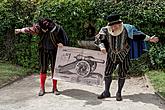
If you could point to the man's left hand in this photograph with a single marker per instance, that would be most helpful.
(153, 39)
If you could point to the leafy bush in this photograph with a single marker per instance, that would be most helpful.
(76, 17)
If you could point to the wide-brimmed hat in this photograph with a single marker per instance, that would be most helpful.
(113, 19)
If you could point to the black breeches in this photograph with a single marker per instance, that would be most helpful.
(123, 67)
(47, 57)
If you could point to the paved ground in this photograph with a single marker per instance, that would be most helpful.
(22, 95)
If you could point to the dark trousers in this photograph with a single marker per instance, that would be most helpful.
(123, 68)
(47, 57)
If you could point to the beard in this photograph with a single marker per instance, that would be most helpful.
(116, 32)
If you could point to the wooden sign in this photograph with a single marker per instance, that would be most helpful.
(80, 65)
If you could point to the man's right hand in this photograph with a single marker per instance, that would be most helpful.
(103, 50)
(17, 31)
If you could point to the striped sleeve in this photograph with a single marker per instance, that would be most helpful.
(99, 38)
(34, 30)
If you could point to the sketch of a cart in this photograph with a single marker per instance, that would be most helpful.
(83, 65)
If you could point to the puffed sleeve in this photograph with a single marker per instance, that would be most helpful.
(99, 38)
(34, 30)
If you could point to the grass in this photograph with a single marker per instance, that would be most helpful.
(9, 72)
(157, 79)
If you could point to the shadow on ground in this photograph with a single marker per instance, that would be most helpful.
(91, 98)
(146, 98)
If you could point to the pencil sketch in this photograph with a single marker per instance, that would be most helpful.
(80, 65)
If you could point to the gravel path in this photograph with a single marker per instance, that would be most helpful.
(23, 95)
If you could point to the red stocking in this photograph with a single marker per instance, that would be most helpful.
(42, 80)
(54, 84)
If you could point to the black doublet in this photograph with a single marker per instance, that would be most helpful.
(117, 52)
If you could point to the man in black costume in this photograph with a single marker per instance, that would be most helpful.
(114, 39)
(51, 36)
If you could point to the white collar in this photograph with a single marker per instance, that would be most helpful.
(53, 29)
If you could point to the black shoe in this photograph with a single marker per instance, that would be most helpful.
(104, 95)
(41, 92)
(56, 92)
(118, 97)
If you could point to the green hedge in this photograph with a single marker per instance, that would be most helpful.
(76, 16)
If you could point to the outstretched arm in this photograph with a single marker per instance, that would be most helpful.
(34, 30)
(146, 38)
(138, 35)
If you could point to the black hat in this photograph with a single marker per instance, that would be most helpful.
(46, 23)
(113, 19)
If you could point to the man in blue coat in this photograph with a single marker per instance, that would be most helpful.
(119, 41)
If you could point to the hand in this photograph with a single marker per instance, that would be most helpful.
(60, 45)
(103, 50)
(153, 39)
(17, 31)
